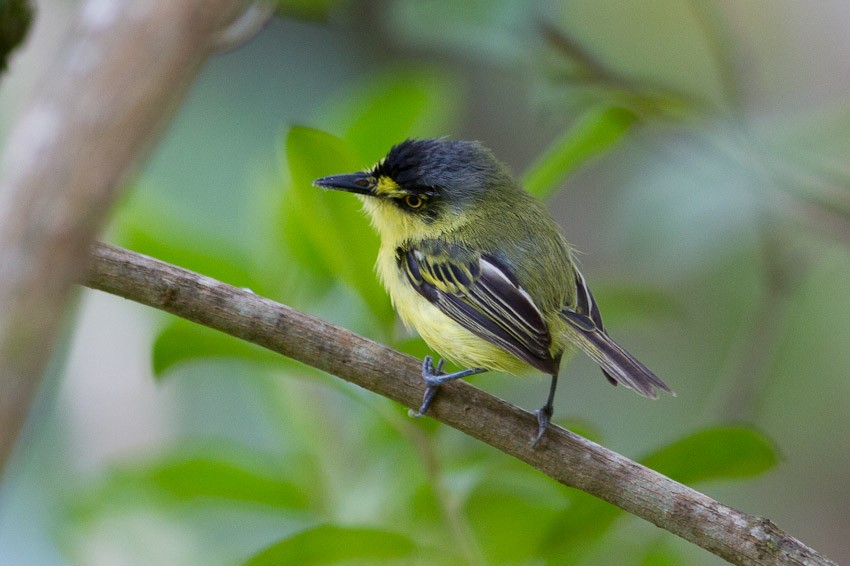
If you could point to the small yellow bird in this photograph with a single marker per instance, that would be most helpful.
(481, 270)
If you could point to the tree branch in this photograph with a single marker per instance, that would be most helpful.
(570, 459)
(99, 107)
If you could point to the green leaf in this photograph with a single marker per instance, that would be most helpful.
(725, 452)
(296, 233)
(594, 132)
(576, 529)
(210, 476)
(403, 103)
(183, 341)
(509, 513)
(330, 224)
(311, 10)
(144, 225)
(661, 556)
(332, 544)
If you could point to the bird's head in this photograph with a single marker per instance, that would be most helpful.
(425, 187)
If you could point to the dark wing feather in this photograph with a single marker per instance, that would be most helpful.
(589, 335)
(586, 305)
(482, 295)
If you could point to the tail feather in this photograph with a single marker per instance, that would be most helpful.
(619, 366)
(584, 324)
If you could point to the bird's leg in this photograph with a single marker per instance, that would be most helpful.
(544, 413)
(434, 377)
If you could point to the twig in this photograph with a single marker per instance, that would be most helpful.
(570, 459)
(99, 108)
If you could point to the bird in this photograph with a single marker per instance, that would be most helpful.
(480, 269)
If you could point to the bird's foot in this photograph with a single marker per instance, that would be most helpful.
(431, 375)
(544, 415)
(434, 377)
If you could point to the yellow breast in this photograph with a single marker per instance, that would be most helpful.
(441, 333)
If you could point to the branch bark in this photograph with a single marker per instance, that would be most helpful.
(570, 459)
(98, 109)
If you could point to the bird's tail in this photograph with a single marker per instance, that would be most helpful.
(617, 364)
(585, 328)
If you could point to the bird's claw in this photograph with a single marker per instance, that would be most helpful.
(430, 393)
(430, 373)
(434, 378)
(544, 415)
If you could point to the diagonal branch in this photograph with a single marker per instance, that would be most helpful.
(570, 459)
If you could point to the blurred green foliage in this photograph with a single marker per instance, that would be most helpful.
(348, 478)
(334, 544)
(594, 132)
(434, 507)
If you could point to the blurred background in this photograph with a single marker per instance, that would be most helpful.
(695, 152)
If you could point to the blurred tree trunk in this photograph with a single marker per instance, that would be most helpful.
(99, 108)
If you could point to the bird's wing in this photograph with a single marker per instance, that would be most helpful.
(481, 294)
(589, 335)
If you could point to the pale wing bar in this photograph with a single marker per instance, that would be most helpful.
(490, 305)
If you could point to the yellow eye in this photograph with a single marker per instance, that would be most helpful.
(413, 201)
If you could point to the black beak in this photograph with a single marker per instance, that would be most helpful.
(360, 183)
